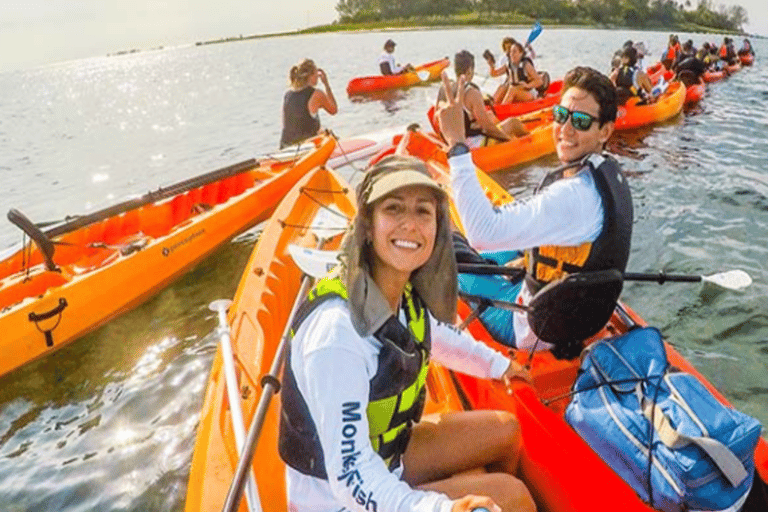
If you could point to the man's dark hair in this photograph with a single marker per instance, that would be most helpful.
(462, 61)
(596, 84)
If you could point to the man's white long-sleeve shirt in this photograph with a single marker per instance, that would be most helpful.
(333, 367)
(569, 212)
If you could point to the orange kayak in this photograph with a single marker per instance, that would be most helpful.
(667, 106)
(747, 59)
(100, 265)
(505, 155)
(424, 73)
(257, 318)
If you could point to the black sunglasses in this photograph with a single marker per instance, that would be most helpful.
(580, 120)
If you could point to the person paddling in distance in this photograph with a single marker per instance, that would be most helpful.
(303, 101)
(481, 126)
(502, 69)
(578, 219)
(524, 80)
(387, 64)
(354, 381)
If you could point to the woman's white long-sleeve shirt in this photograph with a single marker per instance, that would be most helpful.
(333, 367)
(569, 212)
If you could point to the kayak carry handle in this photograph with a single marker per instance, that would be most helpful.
(43, 242)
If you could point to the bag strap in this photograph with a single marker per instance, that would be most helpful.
(721, 455)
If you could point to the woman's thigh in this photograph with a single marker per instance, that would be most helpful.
(451, 443)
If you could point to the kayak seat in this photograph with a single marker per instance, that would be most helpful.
(100, 258)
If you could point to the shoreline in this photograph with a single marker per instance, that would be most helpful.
(442, 24)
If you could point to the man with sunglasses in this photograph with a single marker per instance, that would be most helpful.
(579, 218)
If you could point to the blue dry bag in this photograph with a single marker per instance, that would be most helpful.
(628, 404)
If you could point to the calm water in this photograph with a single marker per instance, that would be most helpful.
(108, 423)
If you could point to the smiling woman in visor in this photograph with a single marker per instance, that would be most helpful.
(351, 430)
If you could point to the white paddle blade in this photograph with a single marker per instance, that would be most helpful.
(423, 75)
(732, 280)
(313, 262)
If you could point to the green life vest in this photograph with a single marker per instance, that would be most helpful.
(397, 392)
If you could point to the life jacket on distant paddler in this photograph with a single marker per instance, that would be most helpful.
(672, 52)
(397, 392)
(626, 79)
(610, 249)
(516, 72)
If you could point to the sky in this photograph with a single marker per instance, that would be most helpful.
(35, 32)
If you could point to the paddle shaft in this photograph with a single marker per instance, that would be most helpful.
(660, 277)
(235, 493)
(236, 412)
(271, 384)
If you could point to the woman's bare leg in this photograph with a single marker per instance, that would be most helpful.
(444, 449)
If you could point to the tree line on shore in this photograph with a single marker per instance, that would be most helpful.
(631, 13)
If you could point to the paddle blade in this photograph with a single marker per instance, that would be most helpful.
(732, 280)
(535, 31)
(423, 75)
(313, 262)
(567, 312)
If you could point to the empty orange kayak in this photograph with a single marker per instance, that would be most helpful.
(667, 106)
(424, 73)
(97, 266)
(257, 318)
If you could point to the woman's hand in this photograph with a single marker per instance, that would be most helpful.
(450, 113)
(516, 371)
(470, 502)
(322, 76)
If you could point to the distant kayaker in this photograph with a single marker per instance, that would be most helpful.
(500, 69)
(482, 126)
(353, 391)
(672, 51)
(524, 80)
(727, 52)
(746, 48)
(630, 80)
(387, 64)
(616, 59)
(578, 219)
(302, 102)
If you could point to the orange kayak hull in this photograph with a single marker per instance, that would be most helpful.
(113, 265)
(667, 106)
(258, 315)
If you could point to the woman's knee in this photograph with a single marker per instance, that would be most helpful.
(509, 493)
(509, 429)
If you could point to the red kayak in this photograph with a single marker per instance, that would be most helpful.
(519, 108)
(715, 76)
(747, 59)
(694, 93)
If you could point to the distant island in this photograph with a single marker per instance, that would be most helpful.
(630, 14)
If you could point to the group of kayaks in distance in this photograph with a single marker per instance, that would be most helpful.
(76, 275)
